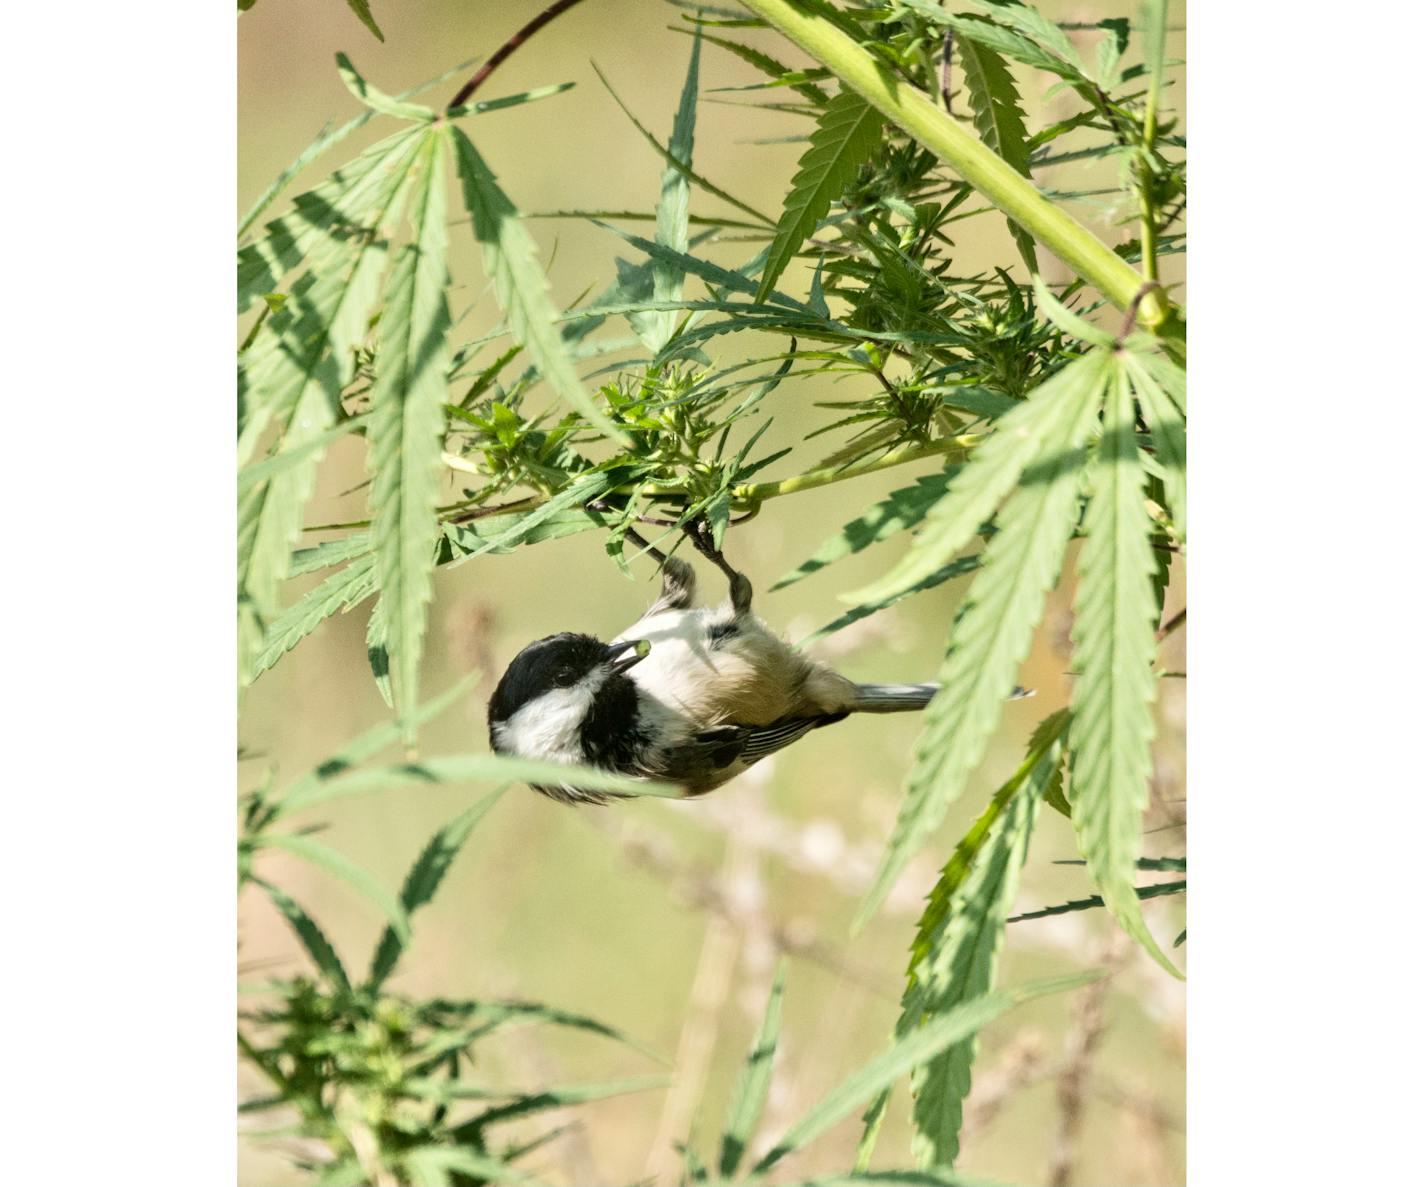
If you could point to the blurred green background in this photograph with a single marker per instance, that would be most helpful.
(666, 920)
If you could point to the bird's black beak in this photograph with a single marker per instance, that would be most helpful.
(632, 651)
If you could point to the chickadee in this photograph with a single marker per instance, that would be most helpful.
(686, 695)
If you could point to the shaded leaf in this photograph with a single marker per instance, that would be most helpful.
(753, 1084)
(313, 939)
(673, 208)
(424, 880)
(343, 867)
(362, 9)
(473, 768)
(1087, 904)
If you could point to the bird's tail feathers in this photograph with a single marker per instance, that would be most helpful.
(898, 698)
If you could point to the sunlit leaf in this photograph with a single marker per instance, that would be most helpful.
(407, 428)
(846, 133)
(1114, 643)
(375, 98)
(961, 954)
(999, 119)
(1001, 609)
(914, 1049)
(511, 261)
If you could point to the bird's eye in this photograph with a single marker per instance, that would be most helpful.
(564, 677)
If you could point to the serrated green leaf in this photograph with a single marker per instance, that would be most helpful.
(375, 98)
(999, 119)
(276, 463)
(362, 9)
(313, 939)
(334, 862)
(672, 209)
(407, 428)
(753, 1084)
(914, 1049)
(1169, 437)
(899, 511)
(959, 568)
(1114, 643)
(474, 768)
(1065, 319)
(424, 880)
(522, 289)
(771, 67)
(323, 220)
(1087, 904)
(960, 958)
(296, 381)
(327, 138)
(568, 1094)
(992, 634)
(846, 133)
(1020, 437)
(344, 589)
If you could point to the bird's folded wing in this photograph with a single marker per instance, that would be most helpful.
(727, 744)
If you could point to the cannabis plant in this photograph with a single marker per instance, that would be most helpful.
(1049, 412)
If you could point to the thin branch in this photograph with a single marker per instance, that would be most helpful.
(499, 55)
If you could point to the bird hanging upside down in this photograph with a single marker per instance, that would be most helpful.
(686, 695)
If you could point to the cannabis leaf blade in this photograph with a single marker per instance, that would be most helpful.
(673, 210)
(991, 636)
(908, 1052)
(1114, 643)
(344, 589)
(960, 952)
(407, 427)
(749, 1095)
(999, 119)
(1169, 437)
(424, 880)
(845, 135)
(899, 511)
(993, 469)
(520, 285)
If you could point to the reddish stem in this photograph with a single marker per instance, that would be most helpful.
(524, 34)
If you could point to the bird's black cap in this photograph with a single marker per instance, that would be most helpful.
(555, 661)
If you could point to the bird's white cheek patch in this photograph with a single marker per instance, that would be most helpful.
(548, 728)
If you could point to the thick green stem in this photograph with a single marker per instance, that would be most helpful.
(979, 165)
(753, 493)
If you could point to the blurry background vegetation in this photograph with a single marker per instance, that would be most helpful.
(666, 920)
